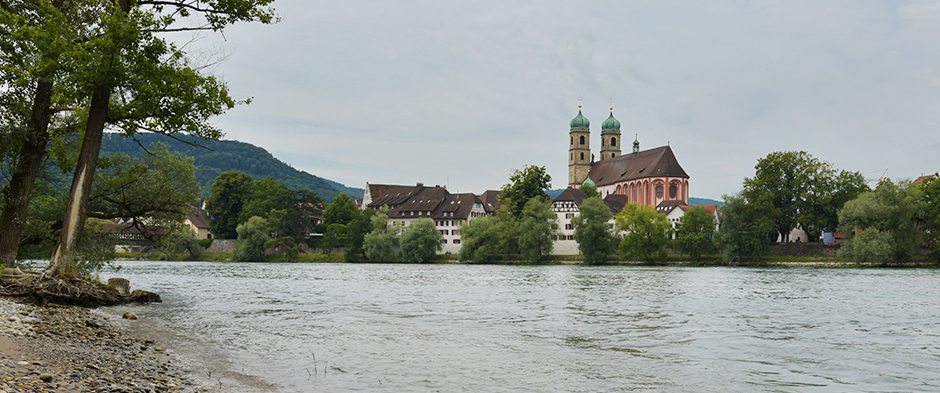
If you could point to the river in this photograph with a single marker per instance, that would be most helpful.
(256, 327)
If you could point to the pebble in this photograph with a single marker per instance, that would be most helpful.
(70, 349)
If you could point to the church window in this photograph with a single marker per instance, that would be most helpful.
(611, 155)
(582, 141)
(572, 141)
(613, 141)
(582, 155)
(659, 191)
(672, 191)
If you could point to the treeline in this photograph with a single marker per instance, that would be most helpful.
(212, 157)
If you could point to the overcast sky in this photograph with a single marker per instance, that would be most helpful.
(463, 93)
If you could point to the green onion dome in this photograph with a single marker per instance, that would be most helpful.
(588, 182)
(611, 124)
(580, 122)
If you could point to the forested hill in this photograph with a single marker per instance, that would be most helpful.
(231, 156)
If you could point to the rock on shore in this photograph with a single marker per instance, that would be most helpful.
(70, 349)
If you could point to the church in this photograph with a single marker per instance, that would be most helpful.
(650, 177)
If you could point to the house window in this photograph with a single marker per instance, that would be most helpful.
(569, 226)
(456, 241)
(454, 232)
(443, 241)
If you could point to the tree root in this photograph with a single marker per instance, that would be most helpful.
(42, 288)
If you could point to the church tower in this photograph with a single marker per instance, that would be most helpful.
(579, 150)
(610, 137)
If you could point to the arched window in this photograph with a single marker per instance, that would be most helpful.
(582, 142)
(659, 191)
(572, 141)
(672, 191)
(613, 141)
(582, 153)
(611, 155)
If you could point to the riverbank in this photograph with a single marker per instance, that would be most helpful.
(72, 349)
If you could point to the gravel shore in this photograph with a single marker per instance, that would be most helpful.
(71, 349)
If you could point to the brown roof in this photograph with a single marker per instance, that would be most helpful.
(571, 195)
(424, 200)
(924, 178)
(458, 204)
(659, 161)
(199, 218)
(490, 200)
(391, 195)
(615, 203)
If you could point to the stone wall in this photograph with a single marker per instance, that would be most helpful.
(222, 246)
(804, 249)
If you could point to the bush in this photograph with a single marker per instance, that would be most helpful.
(252, 236)
(870, 246)
(420, 241)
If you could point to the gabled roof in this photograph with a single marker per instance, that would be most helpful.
(426, 199)
(571, 195)
(199, 218)
(924, 178)
(615, 203)
(490, 200)
(391, 195)
(659, 161)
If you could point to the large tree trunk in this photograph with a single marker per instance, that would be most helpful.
(15, 210)
(63, 258)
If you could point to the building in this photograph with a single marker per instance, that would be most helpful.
(449, 211)
(198, 220)
(648, 177)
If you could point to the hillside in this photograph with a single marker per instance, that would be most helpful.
(224, 156)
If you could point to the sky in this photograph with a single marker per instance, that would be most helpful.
(461, 94)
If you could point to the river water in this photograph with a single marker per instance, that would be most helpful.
(254, 327)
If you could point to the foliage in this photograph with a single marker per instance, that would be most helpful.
(531, 182)
(334, 237)
(420, 241)
(897, 210)
(479, 240)
(695, 233)
(341, 211)
(380, 244)
(592, 231)
(871, 245)
(537, 230)
(225, 155)
(182, 240)
(931, 189)
(252, 236)
(590, 189)
(356, 232)
(230, 192)
(802, 190)
(205, 243)
(160, 186)
(648, 232)
(744, 227)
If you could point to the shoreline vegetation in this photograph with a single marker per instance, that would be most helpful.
(918, 261)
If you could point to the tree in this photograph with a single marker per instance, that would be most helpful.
(871, 245)
(181, 240)
(897, 210)
(230, 192)
(592, 231)
(334, 237)
(380, 244)
(531, 182)
(695, 233)
(931, 189)
(480, 240)
(356, 232)
(744, 227)
(648, 232)
(802, 190)
(341, 211)
(538, 229)
(137, 81)
(420, 241)
(252, 236)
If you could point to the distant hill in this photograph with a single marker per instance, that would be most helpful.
(692, 200)
(224, 156)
